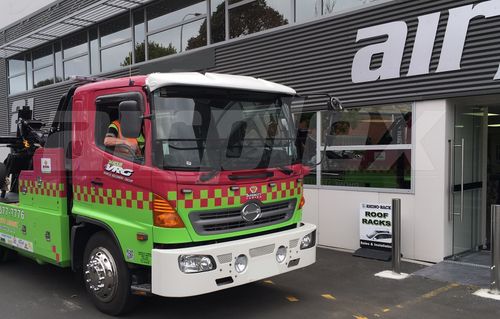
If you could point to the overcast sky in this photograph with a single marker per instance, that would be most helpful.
(13, 10)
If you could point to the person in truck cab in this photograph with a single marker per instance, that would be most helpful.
(131, 146)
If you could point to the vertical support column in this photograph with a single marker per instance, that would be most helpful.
(209, 22)
(495, 250)
(396, 236)
(226, 24)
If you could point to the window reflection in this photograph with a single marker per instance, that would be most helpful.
(115, 31)
(59, 62)
(258, 16)
(78, 66)
(307, 9)
(218, 20)
(42, 57)
(165, 13)
(164, 43)
(378, 125)
(17, 65)
(139, 36)
(75, 45)
(116, 57)
(306, 142)
(29, 71)
(367, 168)
(17, 84)
(42, 77)
(172, 25)
(194, 34)
(357, 147)
(95, 63)
(333, 6)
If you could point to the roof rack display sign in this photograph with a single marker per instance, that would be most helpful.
(375, 229)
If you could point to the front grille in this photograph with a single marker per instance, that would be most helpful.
(224, 221)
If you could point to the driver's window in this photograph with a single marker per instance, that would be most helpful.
(108, 135)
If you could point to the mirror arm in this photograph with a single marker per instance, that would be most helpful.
(323, 156)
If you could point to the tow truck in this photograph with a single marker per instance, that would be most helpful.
(213, 201)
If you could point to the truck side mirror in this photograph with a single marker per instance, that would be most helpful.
(306, 141)
(130, 119)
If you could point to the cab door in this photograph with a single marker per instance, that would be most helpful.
(110, 186)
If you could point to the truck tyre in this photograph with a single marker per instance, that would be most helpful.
(106, 276)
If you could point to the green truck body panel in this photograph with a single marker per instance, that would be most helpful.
(38, 226)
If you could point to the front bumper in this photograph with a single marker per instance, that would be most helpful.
(169, 281)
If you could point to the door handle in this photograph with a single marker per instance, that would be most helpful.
(462, 168)
(451, 183)
(96, 182)
(462, 182)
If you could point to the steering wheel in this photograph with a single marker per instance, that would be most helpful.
(131, 152)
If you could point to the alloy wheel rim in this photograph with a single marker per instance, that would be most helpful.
(101, 276)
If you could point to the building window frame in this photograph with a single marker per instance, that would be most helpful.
(19, 74)
(410, 147)
(171, 26)
(241, 3)
(29, 73)
(44, 66)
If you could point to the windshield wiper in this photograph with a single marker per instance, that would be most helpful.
(285, 170)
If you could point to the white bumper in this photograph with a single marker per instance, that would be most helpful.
(169, 281)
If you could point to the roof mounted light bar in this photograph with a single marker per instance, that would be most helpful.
(80, 78)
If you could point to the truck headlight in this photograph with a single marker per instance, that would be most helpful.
(308, 241)
(190, 264)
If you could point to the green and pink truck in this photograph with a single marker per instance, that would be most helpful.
(212, 200)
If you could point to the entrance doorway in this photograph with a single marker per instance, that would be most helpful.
(467, 171)
(475, 175)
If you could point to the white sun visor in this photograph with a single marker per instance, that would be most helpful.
(215, 80)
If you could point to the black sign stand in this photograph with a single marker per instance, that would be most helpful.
(382, 255)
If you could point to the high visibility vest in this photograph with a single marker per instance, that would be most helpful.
(139, 142)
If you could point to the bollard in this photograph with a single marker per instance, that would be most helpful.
(495, 250)
(396, 236)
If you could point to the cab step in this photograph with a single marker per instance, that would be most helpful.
(141, 289)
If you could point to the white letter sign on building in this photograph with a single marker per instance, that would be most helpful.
(392, 49)
(396, 34)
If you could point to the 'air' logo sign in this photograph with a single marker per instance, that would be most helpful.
(395, 35)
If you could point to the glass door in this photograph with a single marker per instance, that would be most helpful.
(466, 170)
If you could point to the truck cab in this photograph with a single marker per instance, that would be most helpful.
(211, 199)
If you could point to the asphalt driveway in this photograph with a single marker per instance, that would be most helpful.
(337, 286)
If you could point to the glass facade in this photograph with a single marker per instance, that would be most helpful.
(139, 37)
(76, 66)
(115, 57)
(159, 29)
(367, 147)
(259, 15)
(308, 9)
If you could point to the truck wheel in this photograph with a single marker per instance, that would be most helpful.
(106, 276)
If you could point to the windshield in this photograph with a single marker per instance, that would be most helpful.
(221, 130)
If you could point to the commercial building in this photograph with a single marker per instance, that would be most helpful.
(419, 79)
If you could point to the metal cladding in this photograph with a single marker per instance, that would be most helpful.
(318, 56)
